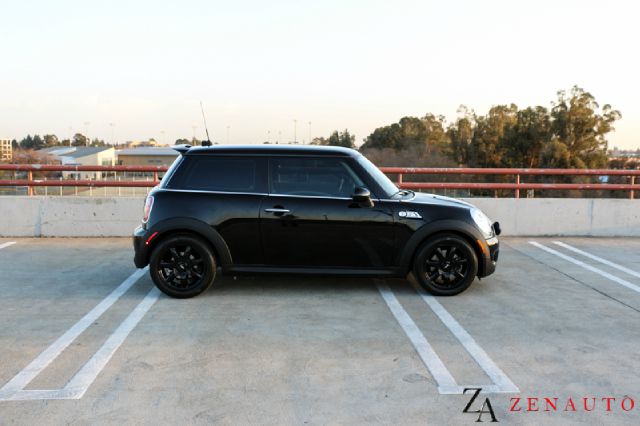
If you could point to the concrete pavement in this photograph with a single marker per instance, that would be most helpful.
(299, 350)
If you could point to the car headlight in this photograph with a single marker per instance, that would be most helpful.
(483, 222)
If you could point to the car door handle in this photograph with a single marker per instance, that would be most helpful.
(280, 211)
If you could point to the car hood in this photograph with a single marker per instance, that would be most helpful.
(431, 199)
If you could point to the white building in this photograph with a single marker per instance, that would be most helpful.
(6, 150)
(82, 156)
(146, 156)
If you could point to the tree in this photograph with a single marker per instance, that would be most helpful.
(582, 128)
(421, 135)
(38, 142)
(319, 141)
(182, 141)
(555, 155)
(571, 134)
(632, 165)
(436, 139)
(336, 138)
(461, 134)
(26, 142)
(487, 149)
(51, 140)
(383, 138)
(79, 140)
(344, 139)
(31, 156)
(409, 133)
(30, 142)
(525, 139)
(617, 163)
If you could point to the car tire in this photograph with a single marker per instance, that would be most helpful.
(445, 265)
(182, 266)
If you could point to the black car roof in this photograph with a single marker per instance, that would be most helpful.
(268, 150)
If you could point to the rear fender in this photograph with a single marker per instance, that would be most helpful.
(185, 224)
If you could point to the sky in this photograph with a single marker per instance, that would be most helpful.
(144, 66)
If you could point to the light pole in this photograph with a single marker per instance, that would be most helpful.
(112, 125)
(268, 136)
(194, 127)
(295, 131)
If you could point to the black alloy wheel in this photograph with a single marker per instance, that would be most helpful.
(182, 266)
(445, 265)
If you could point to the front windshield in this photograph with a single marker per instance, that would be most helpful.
(385, 183)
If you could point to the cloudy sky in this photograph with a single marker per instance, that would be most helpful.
(258, 65)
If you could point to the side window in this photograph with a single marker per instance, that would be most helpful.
(320, 177)
(224, 174)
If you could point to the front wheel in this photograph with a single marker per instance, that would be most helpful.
(445, 265)
(182, 266)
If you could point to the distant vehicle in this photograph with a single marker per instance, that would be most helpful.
(305, 210)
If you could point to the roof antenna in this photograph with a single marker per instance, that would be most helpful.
(208, 141)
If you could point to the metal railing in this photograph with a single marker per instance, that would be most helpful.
(152, 174)
(32, 180)
(517, 174)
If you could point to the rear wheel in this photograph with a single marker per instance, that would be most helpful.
(445, 265)
(182, 266)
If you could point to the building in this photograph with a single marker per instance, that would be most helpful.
(6, 150)
(146, 156)
(82, 156)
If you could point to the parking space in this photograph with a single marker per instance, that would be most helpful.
(86, 338)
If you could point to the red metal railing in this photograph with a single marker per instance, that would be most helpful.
(517, 185)
(30, 182)
(401, 172)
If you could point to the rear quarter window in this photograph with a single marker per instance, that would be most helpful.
(222, 174)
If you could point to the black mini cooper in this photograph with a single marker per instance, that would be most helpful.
(305, 210)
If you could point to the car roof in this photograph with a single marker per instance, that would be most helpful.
(269, 150)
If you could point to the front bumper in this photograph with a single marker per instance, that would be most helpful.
(140, 258)
(490, 255)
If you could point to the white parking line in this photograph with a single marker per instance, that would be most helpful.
(499, 378)
(4, 245)
(80, 383)
(446, 383)
(42, 361)
(600, 272)
(598, 259)
(85, 377)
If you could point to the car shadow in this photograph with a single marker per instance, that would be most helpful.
(295, 285)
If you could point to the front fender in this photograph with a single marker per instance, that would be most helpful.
(473, 236)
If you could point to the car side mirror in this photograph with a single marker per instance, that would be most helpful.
(362, 196)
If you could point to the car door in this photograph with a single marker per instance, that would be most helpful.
(309, 219)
